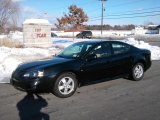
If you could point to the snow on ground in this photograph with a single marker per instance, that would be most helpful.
(16, 36)
(97, 33)
(12, 57)
(155, 50)
(13, 36)
(64, 42)
(36, 21)
(3, 36)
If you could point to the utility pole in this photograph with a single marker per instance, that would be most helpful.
(102, 15)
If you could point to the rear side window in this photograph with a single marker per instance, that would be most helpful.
(119, 48)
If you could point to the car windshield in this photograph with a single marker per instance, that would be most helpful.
(76, 50)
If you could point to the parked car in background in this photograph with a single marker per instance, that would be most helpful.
(53, 34)
(82, 63)
(84, 34)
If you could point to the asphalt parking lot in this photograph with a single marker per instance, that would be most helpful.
(118, 99)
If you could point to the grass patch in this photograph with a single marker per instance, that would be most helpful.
(11, 43)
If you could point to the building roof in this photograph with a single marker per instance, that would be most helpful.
(153, 27)
(36, 21)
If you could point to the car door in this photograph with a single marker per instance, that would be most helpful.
(98, 67)
(121, 58)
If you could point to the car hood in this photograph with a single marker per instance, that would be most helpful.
(42, 63)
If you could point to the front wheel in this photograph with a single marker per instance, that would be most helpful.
(138, 71)
(65, 85)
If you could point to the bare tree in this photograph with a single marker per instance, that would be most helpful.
(73, 20)
(9, 11)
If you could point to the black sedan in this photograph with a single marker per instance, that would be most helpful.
(84, 34)
(81, 63)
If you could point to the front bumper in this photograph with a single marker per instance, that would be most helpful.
(34, 85)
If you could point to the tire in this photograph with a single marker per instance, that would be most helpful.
(137, 72)
(65, 85)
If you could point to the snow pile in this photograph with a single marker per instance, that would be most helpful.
(97, 33)
(155, 51)
(24, 51)
(65, 42)
(62, 43)
(7, 67)
(3, 36)
(12, 57)
(16, 36)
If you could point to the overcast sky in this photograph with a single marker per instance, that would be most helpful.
(116, 12)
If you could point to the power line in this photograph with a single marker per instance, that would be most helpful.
(135, 13)
(118, 5)
(131, 17)
(151, 8)
(136, 16)
(131, 12)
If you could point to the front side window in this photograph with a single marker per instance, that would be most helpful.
(102, 50)
(119, 48)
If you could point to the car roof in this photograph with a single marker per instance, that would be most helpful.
(100, 41)
(86, 31)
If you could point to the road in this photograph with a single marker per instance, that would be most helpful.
(118, 99)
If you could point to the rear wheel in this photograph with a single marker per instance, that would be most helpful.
(65, 85)
(138, 71)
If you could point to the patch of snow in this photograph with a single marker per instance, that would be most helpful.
(97, 33)
(12, 57)
(36, 21)
(16, 36)
(155, 50)
(3, 36)
(61, 43)
(7, 67)
(65, 42)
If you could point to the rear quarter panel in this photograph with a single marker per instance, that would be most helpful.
(142, 56)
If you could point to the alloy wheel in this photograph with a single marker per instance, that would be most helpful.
(138, 71)
(66, 85)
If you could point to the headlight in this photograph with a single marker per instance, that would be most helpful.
(34, 74)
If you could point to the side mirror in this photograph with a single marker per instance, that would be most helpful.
(91, 57)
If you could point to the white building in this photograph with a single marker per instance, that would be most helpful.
(139, 30)
(37, 32)
(150, 29)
